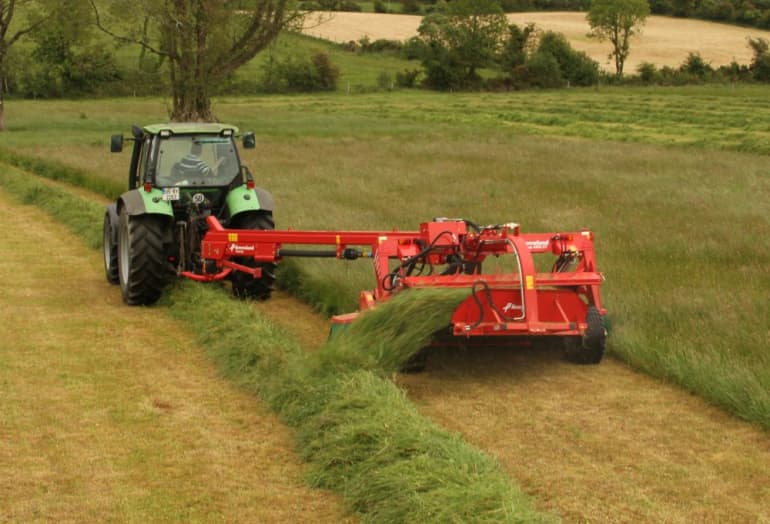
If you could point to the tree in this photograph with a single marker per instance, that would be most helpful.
(468, 37)
(8, 9)
(203, 41)
(760, 65)
(514, 51)
(65, 59)
(617, 21)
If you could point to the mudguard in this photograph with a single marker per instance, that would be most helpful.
(243, 199)
(141, 202)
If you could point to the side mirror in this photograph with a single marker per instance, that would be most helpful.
(116, 143)
(249, 140)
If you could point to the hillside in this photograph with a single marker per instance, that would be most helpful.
(664, 41)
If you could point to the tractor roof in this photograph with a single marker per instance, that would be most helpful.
(188, 128)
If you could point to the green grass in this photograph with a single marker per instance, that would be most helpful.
(358, 72)
(362, 437)
(672, 181)
(357, 430)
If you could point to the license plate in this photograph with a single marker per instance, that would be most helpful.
(170, 193)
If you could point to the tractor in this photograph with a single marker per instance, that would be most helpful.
(192, 210)
(180, 174)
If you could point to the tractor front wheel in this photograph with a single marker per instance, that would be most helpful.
(244, 285)
(588, 349)
(142, 268)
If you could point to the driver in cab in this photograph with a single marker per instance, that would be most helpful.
(192, 164)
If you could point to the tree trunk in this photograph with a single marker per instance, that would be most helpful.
(191, 102)
(189, 74)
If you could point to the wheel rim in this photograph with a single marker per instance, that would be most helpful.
(123, 251)
(107, 243)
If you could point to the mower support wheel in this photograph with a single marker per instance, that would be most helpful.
(244, 285)
(588, 349)
(110, 248)
(142, 267)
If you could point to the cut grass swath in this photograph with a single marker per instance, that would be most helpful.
(357, 430)
(392, 333)
(58, 171)
(360, 434)
(79, 214)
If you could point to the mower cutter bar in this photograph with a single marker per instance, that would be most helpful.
(523, 301)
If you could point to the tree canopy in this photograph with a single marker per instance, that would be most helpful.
(203, 41)
(466, 38)
(10, 32)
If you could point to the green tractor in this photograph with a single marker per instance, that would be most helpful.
(178, 176)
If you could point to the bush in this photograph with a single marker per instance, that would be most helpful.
(378, 46)
(764, 20)
(514, 51)
(295, 75)
(734, 72)
(385, 81)
(760, 64)
(511, 6)
(543, 70)
(440, 6)
(57, 68)
(410, 7)
(661, 7)
(722, 10)
(673, 77)
(696, 66)
(648, 73)
(441, 69)
(413, 49)
(576, 67)
(380, 7)
(327, 73)
(407, 78)
(761, 69)
(349, 6)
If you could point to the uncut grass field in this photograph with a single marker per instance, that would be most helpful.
(674, 182)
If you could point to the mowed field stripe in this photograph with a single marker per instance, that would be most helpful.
(112, 413)
(599, 443)
(590, 443)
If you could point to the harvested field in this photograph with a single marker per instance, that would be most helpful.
(589, 443)
(600, 443)
(113, 413)
(664, 41)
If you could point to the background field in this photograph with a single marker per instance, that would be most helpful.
(104, 421)
(677, 227)
(664, 41)
(675, 182)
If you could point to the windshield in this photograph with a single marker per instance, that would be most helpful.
(196, 161)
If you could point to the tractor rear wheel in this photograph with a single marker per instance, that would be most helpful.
(588, 349)
(110, 248)
(142, 267)
(244, 285)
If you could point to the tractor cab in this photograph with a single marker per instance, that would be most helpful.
(196, 169)
(190, 164)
